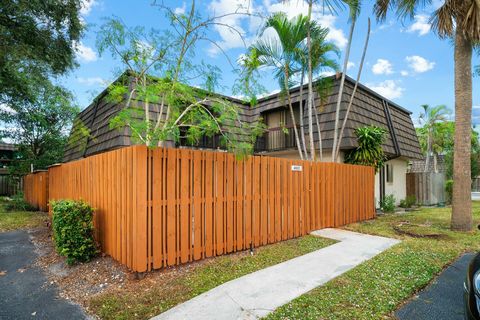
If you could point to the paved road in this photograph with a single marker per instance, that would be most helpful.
(442, 299)
(25, 292)
(259, 293)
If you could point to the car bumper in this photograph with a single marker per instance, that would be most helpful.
(469, 315)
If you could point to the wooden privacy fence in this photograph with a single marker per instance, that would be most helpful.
(162, 207)
(35, 189)
(427, 187)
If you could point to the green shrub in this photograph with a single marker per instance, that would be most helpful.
(388, 203)
(18, 203)
(73, 230)
(449, 190)
(408, 202)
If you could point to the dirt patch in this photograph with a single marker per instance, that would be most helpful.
(417, 230)
(82, 282)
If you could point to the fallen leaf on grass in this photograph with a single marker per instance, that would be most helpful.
(2, 273)
(21, 270)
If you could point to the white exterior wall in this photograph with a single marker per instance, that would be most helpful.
(399, 185)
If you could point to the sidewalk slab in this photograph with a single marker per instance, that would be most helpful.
(257, 294)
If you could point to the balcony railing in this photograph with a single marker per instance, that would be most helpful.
(276, 139)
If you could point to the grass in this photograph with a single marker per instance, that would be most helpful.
(160, 295)
(14, 220)
(376, 288)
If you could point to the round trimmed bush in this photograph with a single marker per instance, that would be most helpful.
(73, 230)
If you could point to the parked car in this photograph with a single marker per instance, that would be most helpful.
(471, 287)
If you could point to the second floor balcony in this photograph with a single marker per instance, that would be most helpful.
(277, 139)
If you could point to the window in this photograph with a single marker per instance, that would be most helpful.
(389, 173)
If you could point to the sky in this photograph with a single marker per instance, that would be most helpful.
(405, 62)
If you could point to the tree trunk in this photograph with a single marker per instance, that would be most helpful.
(320, 146)
(349, 107)
(302, 125)
(292, 114)
(429, 147)
(310, 85)
(340, 90)
(462, 181)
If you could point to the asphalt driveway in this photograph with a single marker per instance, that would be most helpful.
(25, 292)
(443, 298)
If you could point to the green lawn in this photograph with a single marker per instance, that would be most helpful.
(13, 220)
(377, 287)
(158, 293)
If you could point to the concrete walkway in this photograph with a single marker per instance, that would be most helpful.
(259, 293)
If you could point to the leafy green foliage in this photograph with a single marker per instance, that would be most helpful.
(387, 204)
(38, 128)
(161, 102)
(17, 203)
(369, 151)
(408, 202)
(73, 230)
(41, 37)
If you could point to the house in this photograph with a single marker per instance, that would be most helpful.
(369, 108)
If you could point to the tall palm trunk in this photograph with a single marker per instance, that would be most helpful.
(302, 124)
(429, 150)
(461, 200)
(340, 90)
(310, 84)
(320, 146)
(292, 114)
(349, 107)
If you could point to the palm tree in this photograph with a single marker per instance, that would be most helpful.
(430, 117)
(354, 11)
(458, 19)
(320, 60)
(281, 54)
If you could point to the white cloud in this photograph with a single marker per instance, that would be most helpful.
(404, 73)
(86, 6)
(390, 89)
(232, 31)
(350, 65)
(5, 108)
(421, 25)
(419, 64)
(92, 81)
(85, 53)
(180, 10)
(382, 66)
(248, 25)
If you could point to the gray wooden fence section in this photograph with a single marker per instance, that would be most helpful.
(427, 187)
(9, 187)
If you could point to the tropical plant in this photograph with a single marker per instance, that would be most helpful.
(160, 65)
(430, 117)
(281, 55)
(387, 204)
(320, 61)
(354, 11)
(460, 20)
(369, 151)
